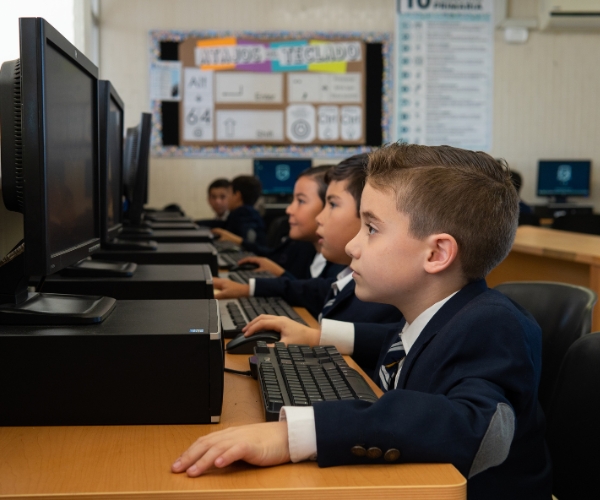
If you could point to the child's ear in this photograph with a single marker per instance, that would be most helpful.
(443, 251)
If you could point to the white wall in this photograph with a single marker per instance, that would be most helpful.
(545, 91)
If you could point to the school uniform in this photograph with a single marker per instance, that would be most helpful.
(466, 393)
(299, 259)
(244, 221)
(340, 312)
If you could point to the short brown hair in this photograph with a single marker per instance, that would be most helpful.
(354, 170)
(442, 189)
(317, 174)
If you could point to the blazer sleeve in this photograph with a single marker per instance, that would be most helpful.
(473, 376)
(309, 294)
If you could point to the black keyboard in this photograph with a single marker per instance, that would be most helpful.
(237, 313)
(243, 276)
(228, 260)
(299, 375)
(226, 246)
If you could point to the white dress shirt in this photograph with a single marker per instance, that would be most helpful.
(302, 433)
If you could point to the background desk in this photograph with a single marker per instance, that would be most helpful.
(552, 255)
(134, 463)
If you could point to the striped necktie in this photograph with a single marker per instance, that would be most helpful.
(391, 363)
(329, 302)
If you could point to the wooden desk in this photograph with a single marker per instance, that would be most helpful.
(541, 254)
(134, 462)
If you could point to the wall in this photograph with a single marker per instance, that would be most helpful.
(545, 91)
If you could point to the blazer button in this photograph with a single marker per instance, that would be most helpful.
(391, 455)
(358, 451)
(373, 453)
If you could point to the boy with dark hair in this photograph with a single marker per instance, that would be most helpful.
(244, 220)
(219, 192)
(460, 379)
(332, 300)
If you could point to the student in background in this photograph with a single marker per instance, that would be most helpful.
(331, 300)
(219, 192)
(298, 255)
(460, 378)
(244, 220)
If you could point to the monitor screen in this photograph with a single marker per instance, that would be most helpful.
(50, 134)
(279, 176)
(136, 166)
(111, 110)
(561, 178)
(70, 152)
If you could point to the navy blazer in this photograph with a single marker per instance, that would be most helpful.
(295, 257)
(370, 319)
(467, 394)
(245, 221)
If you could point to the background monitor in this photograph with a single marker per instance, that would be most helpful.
(278, 176)
(111, 111)
(49, 133)
(135, 168)
(562, 178)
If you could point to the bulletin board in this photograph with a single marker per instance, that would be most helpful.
(272, 94)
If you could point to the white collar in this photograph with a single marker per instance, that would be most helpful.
(410, 333)
(318, 264)
(343, 278)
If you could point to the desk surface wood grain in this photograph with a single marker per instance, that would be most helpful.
(133, 462)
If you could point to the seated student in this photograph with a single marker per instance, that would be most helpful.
(332, 300)
(460, 380)
(298, 255)
(243, 220)
(219, 192)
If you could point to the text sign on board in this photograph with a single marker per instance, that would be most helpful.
(445, 70)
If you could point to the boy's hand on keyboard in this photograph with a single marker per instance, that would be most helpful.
(264, 264)
(227, 235)
(259, 444)
(291, 331)
(228, 289)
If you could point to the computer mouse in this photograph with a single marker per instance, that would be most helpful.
(246, 266)
(245, 345)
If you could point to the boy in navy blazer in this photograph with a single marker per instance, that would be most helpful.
(460, 379)
(331, 300)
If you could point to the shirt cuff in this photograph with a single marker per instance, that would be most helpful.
(302, 432)
(338, 333)
(252, 286)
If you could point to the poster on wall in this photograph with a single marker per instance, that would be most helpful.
(255, 91)
(445, 71)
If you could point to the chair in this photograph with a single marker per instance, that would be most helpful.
(278, 229)
(526, 219)
(573, 431)
(585, 223)
(564, 313)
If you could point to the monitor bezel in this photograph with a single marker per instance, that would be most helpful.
(562, 195)
(106, 93)
(35, 33)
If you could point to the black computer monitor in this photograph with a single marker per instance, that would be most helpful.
(559, 179)
(278, 176)
(111, 110)
(135, 168)
(49, 133)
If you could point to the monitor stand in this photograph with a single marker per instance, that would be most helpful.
(19, 307)
(88, 268)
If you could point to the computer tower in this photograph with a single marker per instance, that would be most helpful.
(150, 362)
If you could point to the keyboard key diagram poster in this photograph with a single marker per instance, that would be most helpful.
(248, 91)
(445, 70)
